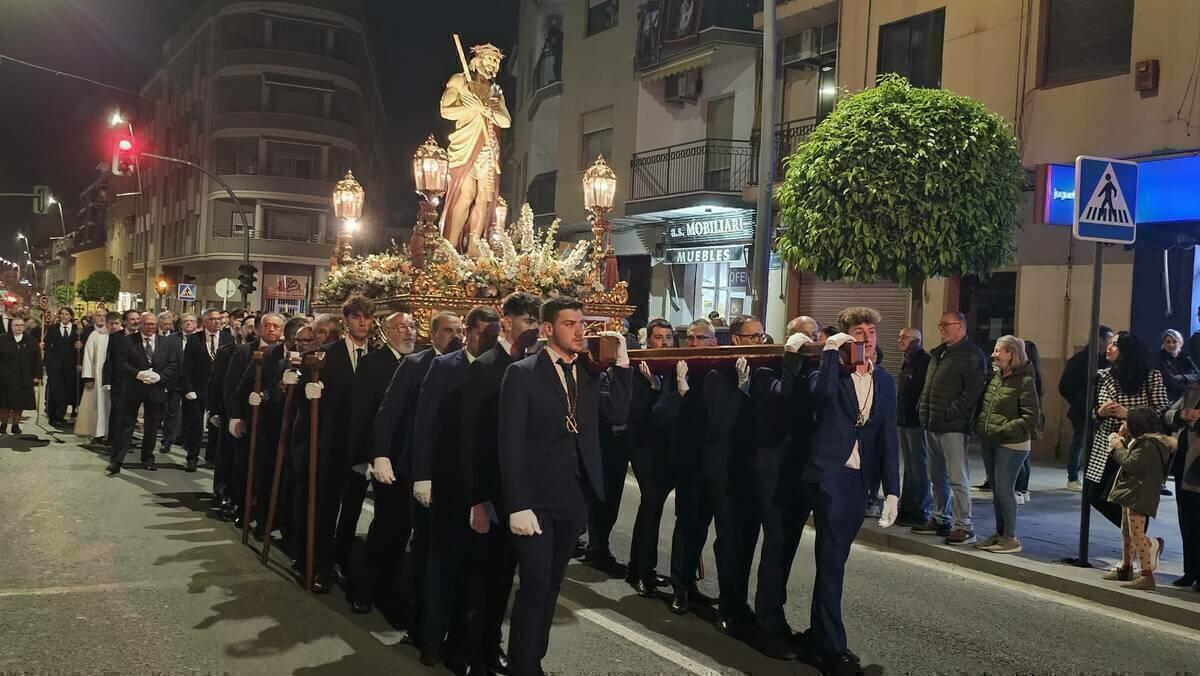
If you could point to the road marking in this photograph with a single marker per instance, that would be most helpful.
(635, 637)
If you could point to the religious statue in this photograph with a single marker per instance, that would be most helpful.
(476, 104)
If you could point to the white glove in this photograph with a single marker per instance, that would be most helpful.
(891, 507)
(681, 383)
(153, 378)
(313, 390)
(524, 522)
(655, 383)
(622, 348)
(381, 468)
(291, 377)
(837, 340)
(190, 396)
(108, 388)
(144, 376)
(256, 399)
(423, 492)
(237, 428)
(214, 420)
(796, 341)
(481, 517)
(743, 373)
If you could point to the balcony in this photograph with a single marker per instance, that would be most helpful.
(289, 59)
(267, 120)
(258, 183)
(788, 137)
(712, 166)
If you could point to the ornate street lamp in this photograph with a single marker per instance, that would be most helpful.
(599, 189)
(431, 173)
(348, 198)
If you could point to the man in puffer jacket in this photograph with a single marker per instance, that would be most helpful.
(953, 385)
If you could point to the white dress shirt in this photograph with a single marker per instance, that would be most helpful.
(354, 348)
(864, 390)
(556, 359)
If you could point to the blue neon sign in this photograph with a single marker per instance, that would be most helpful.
(1168, 192)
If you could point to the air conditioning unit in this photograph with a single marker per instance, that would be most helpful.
(683, 87)
(802, 50)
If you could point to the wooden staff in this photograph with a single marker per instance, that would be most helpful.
(258, 359)
(312, 362)
(78, 366)
(293, 362)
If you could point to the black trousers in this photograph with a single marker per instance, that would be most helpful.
(224, 460)
(492, 566)
(192, 427)
(442, 606)
(328, 500)
(1097, 494)
(693, 514)
(354, 492)
(152, 412)
(656, 479)
(836, 504)
(779, 502)
(172, 425)
(1188, 504)
(602, 515)
(212, 444)
(387, 538)
(542, 561)
(61, 391)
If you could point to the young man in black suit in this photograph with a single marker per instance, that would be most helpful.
(61, 360)
(389, 452)
(550, 465)
(200, 354)
(493, 561)
(336, 388)
(149, 369)
(437, 453)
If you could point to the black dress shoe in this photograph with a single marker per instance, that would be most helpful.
(1185, 581)
(149, 465)
(661, 581)
(113, 469)
(498, 662)
(321, 585)
(733, 627)
(360, 607)
(191, 465)
(679, 602)
(644, 589)
(16, 429)
(580, 549)
(774, 645)
(700, 598)
(429, 656)
(846, 664)
(4, 429)
(339, 574)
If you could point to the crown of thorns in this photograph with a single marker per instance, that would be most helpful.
(487, 50)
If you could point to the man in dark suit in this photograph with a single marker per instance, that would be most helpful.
(118, 344)
(200, 354)
(390, 454)
(149, 368)
(437, 452)
(239, 384)
(62, 358)
(172, 427)
(336, 389)
(493, 561)
(370, 382)
(550, 465)
(854, 440)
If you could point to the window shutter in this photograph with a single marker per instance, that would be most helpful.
(1086, 40)
(824, 300)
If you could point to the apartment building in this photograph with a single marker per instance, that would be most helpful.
(279, 99)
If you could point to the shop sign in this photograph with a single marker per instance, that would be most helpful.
(738, 227)
(735, 253)
(739, 278)
(285, 287)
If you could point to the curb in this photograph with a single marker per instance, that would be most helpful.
(1049, 576)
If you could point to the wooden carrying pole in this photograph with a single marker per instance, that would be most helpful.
(246, 511)
(312, 362)
(293, 362)
(462, 58)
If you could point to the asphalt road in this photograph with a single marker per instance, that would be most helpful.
(128, 575)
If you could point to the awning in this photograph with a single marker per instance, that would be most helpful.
(692, 61)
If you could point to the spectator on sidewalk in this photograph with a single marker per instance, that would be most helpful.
(915, 497)
(1073, 387)
(1183, 416)
(1035, 369)
(1177, 368)
(953, 384)
(1128, 383)
(1143, 455)
(1009, 417)
(1193, 343)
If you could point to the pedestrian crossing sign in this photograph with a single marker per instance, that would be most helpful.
(186, 292)
(1105, 200)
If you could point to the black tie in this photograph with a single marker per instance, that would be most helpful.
(572, 388)
(149, 350)
(212, 347)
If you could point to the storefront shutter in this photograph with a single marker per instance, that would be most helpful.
(824, 300)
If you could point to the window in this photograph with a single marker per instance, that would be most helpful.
(296, 100)
(298, 36)
(597, 137)
(297, 226)
(601, 15)
(718, 162)
(296, 161)
(913, 48)
(540, 195)
(1086, 40)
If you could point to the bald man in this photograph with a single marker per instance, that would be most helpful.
(803, 324)
(149, 370)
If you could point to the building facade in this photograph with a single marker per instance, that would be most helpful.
(279, 99)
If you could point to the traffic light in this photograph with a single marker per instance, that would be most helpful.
(247, 278)
(123, 153)
(189, 279)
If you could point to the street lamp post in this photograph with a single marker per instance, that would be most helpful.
(115, 121)
(50, 201)
(599, 189)
(161, 287)
(431, 173)
(348, 198)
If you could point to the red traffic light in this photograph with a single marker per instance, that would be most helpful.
(123, 160)
(125, 144)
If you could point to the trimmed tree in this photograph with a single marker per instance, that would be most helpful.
(100, 286)
(901, 184)
(64, 293)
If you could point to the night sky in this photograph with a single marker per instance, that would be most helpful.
(52, 129)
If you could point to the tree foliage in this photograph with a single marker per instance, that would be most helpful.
(901, 183)
(101, 285)
(64, 293)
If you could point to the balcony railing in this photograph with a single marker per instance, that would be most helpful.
(707, 165)
(788, 137)
(313, 238)
(548, 68)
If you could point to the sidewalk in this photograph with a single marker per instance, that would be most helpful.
(1048, 527)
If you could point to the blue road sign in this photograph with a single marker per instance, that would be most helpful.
(1105, 200)
(186, 292)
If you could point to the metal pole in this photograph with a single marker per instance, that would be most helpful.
(1085, 512)
(761, 267)
(62, 221)
(236, 204)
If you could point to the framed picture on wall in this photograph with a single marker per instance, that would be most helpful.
(682, 22)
